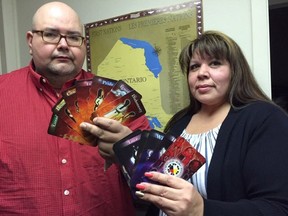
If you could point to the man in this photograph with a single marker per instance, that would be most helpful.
(41, 174)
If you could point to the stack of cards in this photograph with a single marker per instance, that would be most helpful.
(90, 98)
(143, 151)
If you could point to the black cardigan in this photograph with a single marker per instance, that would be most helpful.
(248, 172)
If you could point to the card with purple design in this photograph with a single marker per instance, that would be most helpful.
(157, 152)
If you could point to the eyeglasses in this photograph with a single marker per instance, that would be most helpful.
(55, 37)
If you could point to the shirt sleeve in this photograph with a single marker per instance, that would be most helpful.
(141, 123)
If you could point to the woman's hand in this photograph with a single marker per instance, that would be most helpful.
(108, 132)
(174, 196)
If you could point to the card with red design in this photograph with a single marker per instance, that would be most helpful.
(62, 111)
(82, 97)
(101, 86)
(124, 109)
(70, 98)
(181, 159)
(89, 98)
(58, 127)
(119, 90)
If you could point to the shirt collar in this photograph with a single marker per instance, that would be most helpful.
(41, 81)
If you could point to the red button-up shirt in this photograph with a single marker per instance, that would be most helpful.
(41, 174)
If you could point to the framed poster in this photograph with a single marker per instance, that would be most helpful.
(142, 49)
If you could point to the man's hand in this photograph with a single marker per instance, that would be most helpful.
(108, 132)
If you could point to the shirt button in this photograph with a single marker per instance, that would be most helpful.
(66, 192)
(42, 80)
(64, 161)
(41, 89)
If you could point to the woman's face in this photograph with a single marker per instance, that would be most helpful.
(209, 80)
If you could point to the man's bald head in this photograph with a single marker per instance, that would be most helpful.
(52, 13)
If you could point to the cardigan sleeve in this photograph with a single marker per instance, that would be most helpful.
(257, 148)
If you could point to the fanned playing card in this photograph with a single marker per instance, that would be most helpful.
(119, 90)
(61, 109)
(127, 150)
(156, 152)
(58, 127)
(143, 162)
(155, 137)
(89, 98)
(124, 109)
(157, 144)
(63, 112)
(71, 102)
(101, 86)
(181, 159)
(82, 95)
(162, 147)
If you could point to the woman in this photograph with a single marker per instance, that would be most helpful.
(237, 128)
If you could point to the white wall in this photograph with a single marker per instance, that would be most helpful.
(10, 42)
(246, 21)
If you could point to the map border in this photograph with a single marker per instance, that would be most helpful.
(138, 15)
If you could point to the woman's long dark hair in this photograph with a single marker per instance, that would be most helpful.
(243, 88)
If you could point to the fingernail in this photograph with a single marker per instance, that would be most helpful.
(140, 186)
(94, 120)
(148, 174)
(107, 164)
(83, 125)
(139, 194)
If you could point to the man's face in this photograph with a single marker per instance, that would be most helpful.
(56, 59)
